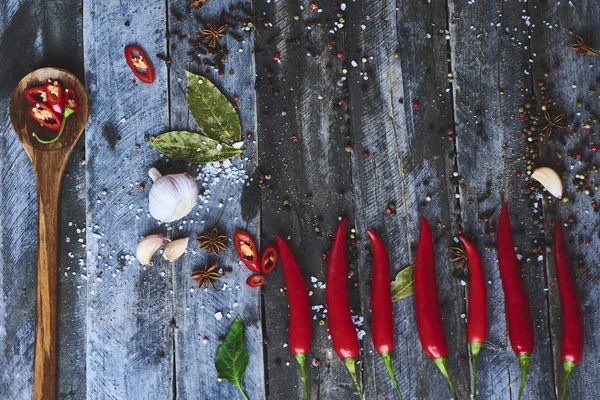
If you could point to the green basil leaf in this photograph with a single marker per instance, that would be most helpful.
(212, 111)
(232, 357)
(404, 284)
(192, 147)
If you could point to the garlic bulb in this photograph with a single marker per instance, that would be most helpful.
(175, 249)
(172, 197)
(147, 247)
(550, 180)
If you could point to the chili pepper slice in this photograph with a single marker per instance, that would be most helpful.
(256, 280)
(299, 328)
(71, 100)
(45, 116)
(571, 346)
(269, 258)
(36, 95)
(55, 96)
(246, 250)
(139, 63)
(427, 307)
(341, 328)
(381, 306)
(477, 310)
(518, 314)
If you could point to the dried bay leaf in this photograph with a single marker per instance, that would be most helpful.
(404, 283)
(193, 147)
(212, 111)
(232, 357)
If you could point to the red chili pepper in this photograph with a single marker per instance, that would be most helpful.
(518, 314)
(477, 310)
(381, 306)
(299, 329)
(427, 307)
(139, 63)
(268, 259)
(54, 91)
(246, 250)
(571, 345)
(71, 100)
(341, 327)
(36, 95)
(45, 116)
(256, 280)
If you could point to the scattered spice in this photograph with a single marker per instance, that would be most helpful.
(207, 275)
(196, 4)
(213, 35)
(459, 259)
(582, 46)
(212, 242)
(554, 121)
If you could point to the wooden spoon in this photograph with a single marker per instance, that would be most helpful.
(48, 161)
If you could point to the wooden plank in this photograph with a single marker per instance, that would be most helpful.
(229, 200)
(566, 80)
(492, 79)
(129, 337)
(302, 133)
(401, 110)
(53, 44)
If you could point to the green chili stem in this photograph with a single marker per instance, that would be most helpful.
(387, 361)
(568, 366)
(301, 358)
(440, 362)
(524, 361)
(475, 347)
(66, 114)
(349, 362)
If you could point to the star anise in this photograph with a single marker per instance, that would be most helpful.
(212, 241)
(582, 46)
(213, 35)
(461, 269)
(207, 275)
(196, 4)
(554, 121)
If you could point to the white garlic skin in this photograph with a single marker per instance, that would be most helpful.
(172, 197)
(175, 249)
(147, 247)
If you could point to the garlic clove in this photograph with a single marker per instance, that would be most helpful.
(550, 180)
(175, 249)
(172, 197)
(147, 247)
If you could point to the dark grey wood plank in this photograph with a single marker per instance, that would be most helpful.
(565, 81)
(129, 335)
(400, 115)
(301, 137)
(229, 200)
(492, 79)
(54, 43)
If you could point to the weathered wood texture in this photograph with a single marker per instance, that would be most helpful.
(492, 79)
(24, 49)
(569, 85)
(229, 200)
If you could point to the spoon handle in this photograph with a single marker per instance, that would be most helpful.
(48, 172)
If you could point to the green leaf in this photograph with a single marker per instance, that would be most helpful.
(232, 357)
(192, 147)
(212, 111)
(404, 284)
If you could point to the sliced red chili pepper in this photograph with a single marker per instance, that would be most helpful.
(45, 116)
(269, 258)
(571, 345)
(71, 99)
(246, 250)
(36, 95)
(54, 91)
(139, 63)
(256, 280)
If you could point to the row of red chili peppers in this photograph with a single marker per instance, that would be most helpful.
(428, 315)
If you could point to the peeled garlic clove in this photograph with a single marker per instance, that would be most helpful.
(147, 247)
(550, 180)
(173, 250)
(172, 197)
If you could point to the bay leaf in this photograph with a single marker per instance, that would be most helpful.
(232, 357)
(212, 111)
(192, 147)
(404, 283)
